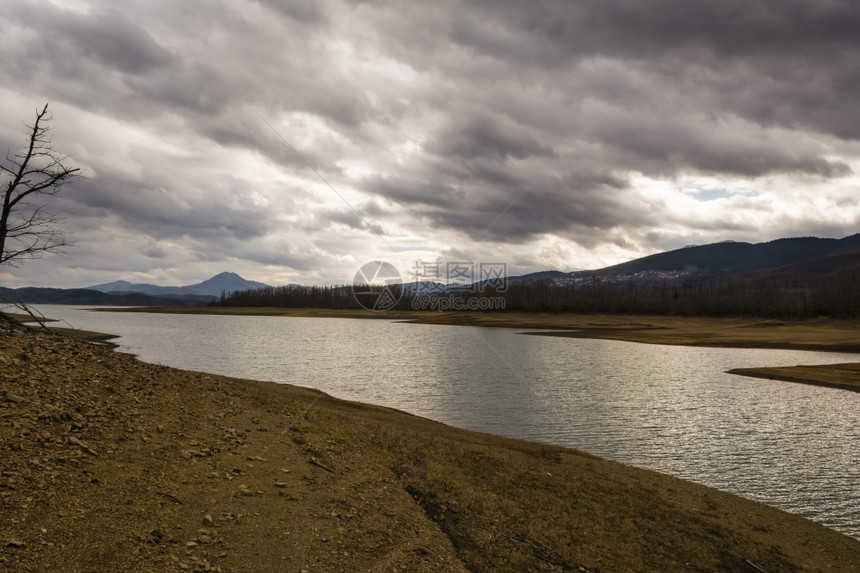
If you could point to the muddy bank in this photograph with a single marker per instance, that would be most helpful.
(842, 376)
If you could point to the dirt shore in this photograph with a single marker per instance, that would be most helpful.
(843, 376)
(109, 463)
(824, 334)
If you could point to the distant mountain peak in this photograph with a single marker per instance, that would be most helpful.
(224, 282)
(112, 286)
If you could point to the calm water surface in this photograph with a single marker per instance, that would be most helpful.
(667, 408)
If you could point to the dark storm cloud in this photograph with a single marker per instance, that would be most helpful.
(668, 145)
(517, 207)
(310, 12)
(154, 252)
(209, 59)
(106, 62)
(792, 62)
(347, 217)
(103, 35)
(651, 29)
(563, 208)
(411, 191)
(161, 208)
(663, 88)
(496, 120)
(484, 136)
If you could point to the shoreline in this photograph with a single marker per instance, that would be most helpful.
(822, 335)
(841, 376)
(145, 467)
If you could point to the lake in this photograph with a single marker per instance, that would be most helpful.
(667, 408)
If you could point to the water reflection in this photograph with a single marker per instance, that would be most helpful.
(667, 408)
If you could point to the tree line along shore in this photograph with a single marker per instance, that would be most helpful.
(781, 296)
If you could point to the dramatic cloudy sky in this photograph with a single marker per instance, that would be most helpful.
(292, 141)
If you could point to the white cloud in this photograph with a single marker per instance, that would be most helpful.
(549, 134)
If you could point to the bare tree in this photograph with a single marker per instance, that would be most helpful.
(27, 180)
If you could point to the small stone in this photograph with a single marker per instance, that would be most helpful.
(191, 544)
(185, 454)
(208, 521)
(15, 543)
(280, 484)
(83, 446)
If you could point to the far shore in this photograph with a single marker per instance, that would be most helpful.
(844, 376)
(821, 334)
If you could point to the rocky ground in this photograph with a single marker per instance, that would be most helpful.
(108, 464)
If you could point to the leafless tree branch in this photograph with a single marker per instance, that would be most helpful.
(27, 178)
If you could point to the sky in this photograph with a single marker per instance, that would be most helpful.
(295, 141)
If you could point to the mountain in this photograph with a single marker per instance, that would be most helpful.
(793, 255)
(90, 297)
(800, 259)
(732, 257)
(118, 286)
(124, 293)
(143, 288)
(223, 282)
(811, 270)
(540, 277)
